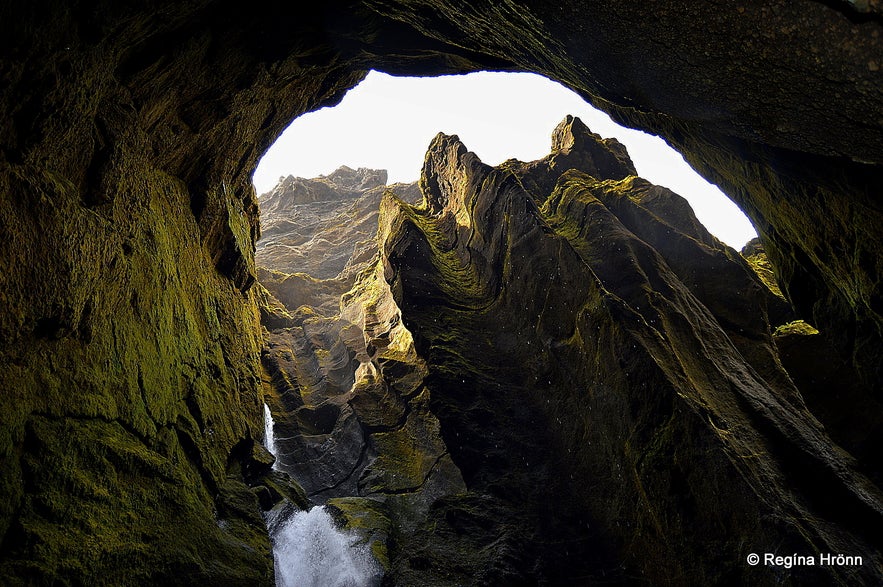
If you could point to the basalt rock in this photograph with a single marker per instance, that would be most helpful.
(604, 373)
(351, 414)
(128, 337)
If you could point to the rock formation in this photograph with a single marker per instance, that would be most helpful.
(317, 235)
(588, 316)
(312, 225)
(592, 375)
(346, 389)
(129, 336)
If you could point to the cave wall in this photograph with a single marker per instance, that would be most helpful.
(129, 344)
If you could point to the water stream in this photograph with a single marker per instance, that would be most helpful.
(269, 438)
(309, 551)
(308, 548)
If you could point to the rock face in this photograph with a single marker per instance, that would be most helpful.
(318, 234)
(129, 349)
(312, 225)
(593, 391)
(346, 389)
(604, 372)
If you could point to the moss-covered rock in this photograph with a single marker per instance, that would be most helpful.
(127, 218)
(601, 352)
(134, 371)
(368, 518)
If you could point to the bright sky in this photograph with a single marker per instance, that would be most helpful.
(388, 122)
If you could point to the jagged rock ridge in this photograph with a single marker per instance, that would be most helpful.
(128, 140)
(582, 341)
(305, 222)
(637, 352)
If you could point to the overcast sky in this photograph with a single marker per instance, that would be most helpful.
(388, 122)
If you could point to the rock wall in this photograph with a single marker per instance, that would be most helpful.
(592, 375)
(129, 346)
(351, 413)
(604, 370)
(129, 370)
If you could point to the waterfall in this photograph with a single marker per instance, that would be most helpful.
(269, 439)
(309, 551)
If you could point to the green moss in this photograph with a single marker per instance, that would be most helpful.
(136, 372)
(381, 554)
(368, 518)
(458, 279)
(114, 479)
(761, 265)
(797, 327)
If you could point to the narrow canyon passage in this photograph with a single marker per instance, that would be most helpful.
(543, 385)
(553, 309)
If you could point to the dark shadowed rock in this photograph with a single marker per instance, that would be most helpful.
(832, 390)
(604, 372)
(129, 342)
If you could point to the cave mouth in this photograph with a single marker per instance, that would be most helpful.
(386, 122)
(351, 397)
(130, 350)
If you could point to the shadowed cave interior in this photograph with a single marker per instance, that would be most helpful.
(544, 372)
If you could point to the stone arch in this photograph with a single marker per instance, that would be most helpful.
(128, 140)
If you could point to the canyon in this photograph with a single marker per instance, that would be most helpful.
(539, 333)
(544, 385)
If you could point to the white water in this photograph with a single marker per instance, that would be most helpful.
(269, 439)
(310, 551)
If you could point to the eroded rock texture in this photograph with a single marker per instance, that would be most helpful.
(128, 335)
(318, 234)
(587, 376)
(313, 225)
(604, 373)
(352, 422)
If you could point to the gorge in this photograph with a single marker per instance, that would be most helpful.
(557, 317)
(545, 386)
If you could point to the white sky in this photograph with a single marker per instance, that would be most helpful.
(388, 122)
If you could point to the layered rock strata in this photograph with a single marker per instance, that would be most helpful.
(596, 372)
(351, 411)
(318, 234)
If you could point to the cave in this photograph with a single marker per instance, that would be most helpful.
(132, 353)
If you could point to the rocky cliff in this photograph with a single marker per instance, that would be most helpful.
(318, 234)
(586, 378)
(346, 389)
(129, 341)
(603, 370)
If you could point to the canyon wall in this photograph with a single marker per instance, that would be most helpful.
(605, 376)
(551, 373)
(130, 346)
